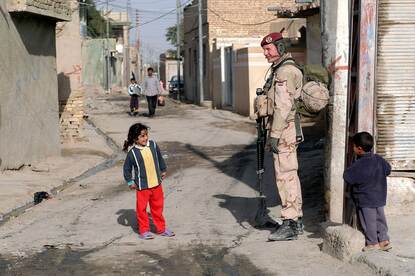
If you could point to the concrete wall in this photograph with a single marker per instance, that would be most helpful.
(191, 51)
(250, 71)
(94, 64)
(249, 68)
(28, 89)
(168, 69)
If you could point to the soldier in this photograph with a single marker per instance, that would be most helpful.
(285, 134)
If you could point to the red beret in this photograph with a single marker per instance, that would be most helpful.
(270, 38)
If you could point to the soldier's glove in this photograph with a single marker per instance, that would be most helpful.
(273, 142)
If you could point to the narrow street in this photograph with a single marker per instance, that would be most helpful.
(210, 200)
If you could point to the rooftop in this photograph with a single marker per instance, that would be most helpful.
(58, 9)
(300, 9)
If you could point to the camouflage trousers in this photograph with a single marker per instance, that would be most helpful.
(286, 175)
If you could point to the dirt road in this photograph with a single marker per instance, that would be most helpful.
(210, 200)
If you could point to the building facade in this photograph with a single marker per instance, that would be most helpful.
(368, 46)
(168, 69)
(29, 110)
(228, 27)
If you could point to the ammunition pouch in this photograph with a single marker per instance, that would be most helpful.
(264, 106)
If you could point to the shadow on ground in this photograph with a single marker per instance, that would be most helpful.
(128, 217)
(241, 165)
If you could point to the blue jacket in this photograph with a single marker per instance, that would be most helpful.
(367, 176)
(134, 163)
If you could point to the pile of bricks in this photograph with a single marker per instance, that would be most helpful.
(71, 113)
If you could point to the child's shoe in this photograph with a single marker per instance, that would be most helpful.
(147, 236)
(371, 247)
(385, 245)
(167, 233)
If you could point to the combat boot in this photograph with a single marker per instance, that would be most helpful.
(286, 232)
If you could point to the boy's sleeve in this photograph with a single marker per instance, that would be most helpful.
(162, 163)
(350, 176)
(386, 167)
(127, 169)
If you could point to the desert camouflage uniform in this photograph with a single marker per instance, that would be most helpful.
(286, 87)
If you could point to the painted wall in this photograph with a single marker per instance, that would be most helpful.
(28, 89)
(250, 71)
(94, 64)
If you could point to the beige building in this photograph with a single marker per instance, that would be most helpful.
(233, 62)
(29, 112)
(120, 29)
(94, 56)
(168, 69)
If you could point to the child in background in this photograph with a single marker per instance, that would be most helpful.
(134, 90)
(367, 176)
(147, 163)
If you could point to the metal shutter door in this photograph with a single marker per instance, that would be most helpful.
(395, 83)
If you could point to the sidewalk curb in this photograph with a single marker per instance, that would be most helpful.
(107, 163)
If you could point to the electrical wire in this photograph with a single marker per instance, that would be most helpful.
(241, 24)
(163, 15)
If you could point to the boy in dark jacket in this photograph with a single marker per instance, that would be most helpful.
(367, 176)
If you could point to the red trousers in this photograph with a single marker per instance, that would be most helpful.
(155, 198)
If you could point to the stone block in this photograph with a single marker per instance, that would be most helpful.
(342, 241)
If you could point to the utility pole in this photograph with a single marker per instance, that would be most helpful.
(126, 53)
(201, 54)
(108, 53)
(178, 39)
(82, 19)
(138, 65)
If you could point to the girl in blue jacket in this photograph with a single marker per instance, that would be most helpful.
(144, 171)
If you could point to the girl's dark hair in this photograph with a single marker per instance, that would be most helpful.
(133, 133)
(364, 140)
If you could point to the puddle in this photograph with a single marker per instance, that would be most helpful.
(194, 260)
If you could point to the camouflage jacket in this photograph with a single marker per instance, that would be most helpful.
(287, 84)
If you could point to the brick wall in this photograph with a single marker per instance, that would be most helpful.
(71, 112)
(232, 19)
(235, 18)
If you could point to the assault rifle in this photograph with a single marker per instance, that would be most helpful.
(261, 218)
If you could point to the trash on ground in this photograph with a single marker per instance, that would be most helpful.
(39, 196)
